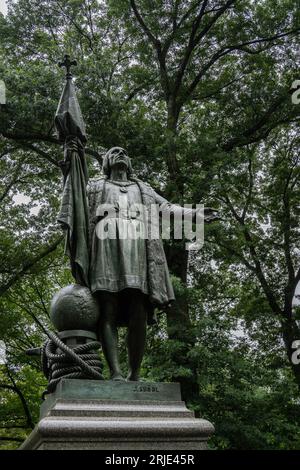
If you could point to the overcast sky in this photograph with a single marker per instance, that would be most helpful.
(3, 8)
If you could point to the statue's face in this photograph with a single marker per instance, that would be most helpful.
(119, 158)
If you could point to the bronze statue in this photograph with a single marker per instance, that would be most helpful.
(128, 275)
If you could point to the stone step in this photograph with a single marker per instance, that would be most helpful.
(122, 409)
(135, 427)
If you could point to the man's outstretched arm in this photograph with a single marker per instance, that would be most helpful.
(167, 207)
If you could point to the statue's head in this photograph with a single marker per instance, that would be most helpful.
(116, 157)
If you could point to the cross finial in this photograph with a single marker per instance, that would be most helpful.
(68, 64)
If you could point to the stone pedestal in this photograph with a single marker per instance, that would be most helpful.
(108, 415)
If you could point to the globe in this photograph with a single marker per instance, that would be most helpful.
(74, 308)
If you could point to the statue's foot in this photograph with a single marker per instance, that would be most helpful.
(133, 377)
(117, 376)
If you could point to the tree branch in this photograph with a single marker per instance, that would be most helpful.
(235, 253)
(30, 263)
(77, 27)
(189, 48)
(31, 314)
(156, 43)
(214, 19)
(23, 137)
(22, 399)
(195, 39)
(40, 152)
(258, 268)
(228, 49)
(217, 91)
(249, 135)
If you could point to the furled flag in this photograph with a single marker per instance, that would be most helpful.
(73, 214)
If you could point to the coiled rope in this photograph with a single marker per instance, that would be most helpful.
(80, 362)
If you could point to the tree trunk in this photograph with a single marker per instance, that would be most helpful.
(178, 319)
(175, 188)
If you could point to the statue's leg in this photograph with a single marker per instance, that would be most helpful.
(136, 337)
(109, 333)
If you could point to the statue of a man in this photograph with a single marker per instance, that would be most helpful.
(127, 268)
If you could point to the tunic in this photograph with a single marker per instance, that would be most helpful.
(118, 248)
